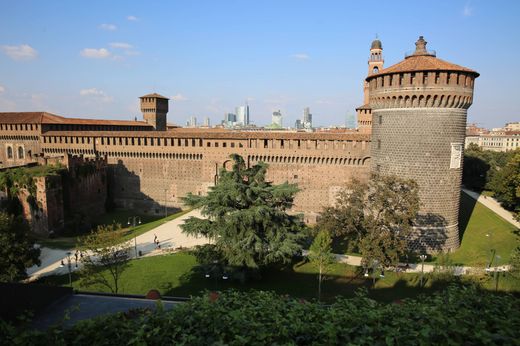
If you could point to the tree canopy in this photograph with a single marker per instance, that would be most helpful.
(17, 250)
(246, 217)
(375, 218)
(321, 256)
(104, 249)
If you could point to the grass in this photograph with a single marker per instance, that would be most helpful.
(122, 217)
(483, 232)
(178, 275)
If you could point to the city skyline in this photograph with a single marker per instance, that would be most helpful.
(112, 54)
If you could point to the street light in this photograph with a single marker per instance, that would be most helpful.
(496, 272)
(423, 257)
(69, 266)
(135, 220)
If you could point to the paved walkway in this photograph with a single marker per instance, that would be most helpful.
(492, 204)
(168, 234)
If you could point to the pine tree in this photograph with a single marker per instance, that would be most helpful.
(247, 219)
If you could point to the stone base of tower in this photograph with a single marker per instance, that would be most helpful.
(434, 239)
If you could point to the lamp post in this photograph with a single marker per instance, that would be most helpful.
(423, 258)
(214, 271)
(134, 221)
(69, 266)
(496, 272)
(493, 252)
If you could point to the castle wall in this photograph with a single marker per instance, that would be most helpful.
(150, 171)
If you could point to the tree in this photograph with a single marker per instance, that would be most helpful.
(375, 217)
(320, 255)
(506, 184)
(247, 218)
(17, 250)
(106, 257)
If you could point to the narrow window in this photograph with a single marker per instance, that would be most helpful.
(9, 152)
(378, 144)
(20, 153)
(380, 120)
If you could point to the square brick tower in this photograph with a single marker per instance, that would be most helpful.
(155, 108)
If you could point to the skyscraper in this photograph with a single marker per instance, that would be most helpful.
(207, 122)
(307, 118)
(192, 122)
(230, 119)
(242, 113)
(277, 119)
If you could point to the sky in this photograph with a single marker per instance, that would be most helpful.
(93, 59)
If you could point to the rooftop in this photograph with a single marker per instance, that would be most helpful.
(422, 60)
(156, 95)
(49, 118)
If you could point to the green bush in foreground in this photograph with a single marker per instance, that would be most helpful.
(458, 315)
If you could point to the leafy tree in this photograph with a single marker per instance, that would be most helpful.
(376, 217)
(321, 256)
(17, 251)
(247, 218)
(104, 250)
(506, 184)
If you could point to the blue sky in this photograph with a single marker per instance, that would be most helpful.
(95, 58)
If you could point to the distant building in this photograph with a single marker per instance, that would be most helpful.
(230, 119)
(499, 139)
(512, 126)
(192, 122)
(298, 124)
(207, 122)
(242, 114)
(307, 118)
(277, 119)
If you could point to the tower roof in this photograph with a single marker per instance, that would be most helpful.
(376, 44)
(422, 60)
(156, 95)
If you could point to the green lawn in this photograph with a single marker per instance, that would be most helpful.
(483, 230)
(121, 217)
(178, 275)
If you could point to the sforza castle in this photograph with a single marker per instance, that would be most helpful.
(412, 124)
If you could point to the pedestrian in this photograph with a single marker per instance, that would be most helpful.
(155, 239)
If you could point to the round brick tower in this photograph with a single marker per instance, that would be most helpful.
(419, 108)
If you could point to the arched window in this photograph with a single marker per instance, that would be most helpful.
(9, 152)
(375, 69)
(21, 153)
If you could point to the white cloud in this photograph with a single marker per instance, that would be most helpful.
(121, 45)
(179, 97)
(132, 18)
(132, 52)
(2, 89)
(468, 10)
(94, 53)
(108, 27)
(96, 94)
(21, 52)
(300, 56)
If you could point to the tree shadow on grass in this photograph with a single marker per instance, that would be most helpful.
(293, 281)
